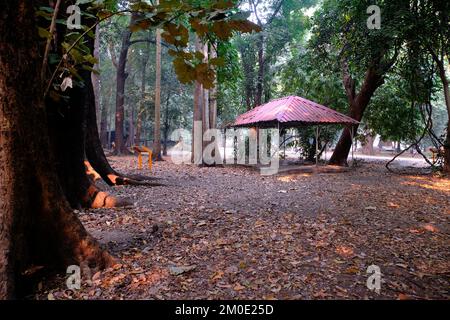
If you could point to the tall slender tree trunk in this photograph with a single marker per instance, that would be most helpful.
(213, 103)
(130, 139)
(142, 102)
(95, 76)
(166, 123)
(213, 96)
(197, 149)
(157, 128)
(261, 67)
(248, 67)
(104, 120)
(122, 75)
(37, 224)
(205, 95)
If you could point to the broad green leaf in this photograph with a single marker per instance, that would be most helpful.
(44, 33)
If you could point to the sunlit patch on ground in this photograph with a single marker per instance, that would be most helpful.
(425, 228)
(345, 251)
(439, 184)
(293, 177)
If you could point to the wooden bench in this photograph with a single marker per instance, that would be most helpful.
(140, 150)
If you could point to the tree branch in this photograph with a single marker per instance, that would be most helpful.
(277, 9)
(349, 82)
(256, 12)
(49, 40)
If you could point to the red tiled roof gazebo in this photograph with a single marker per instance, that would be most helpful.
(291, 111)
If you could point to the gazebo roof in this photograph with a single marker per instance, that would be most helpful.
(291, 110)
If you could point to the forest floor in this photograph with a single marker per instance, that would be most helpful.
(230, 233)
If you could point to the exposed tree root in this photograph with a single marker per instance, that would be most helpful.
(115, 179)
(120, 180)
(100, 199)
(91, 172)
(140, 177)
(78, 246)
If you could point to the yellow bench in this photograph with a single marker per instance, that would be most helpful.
(140, 150)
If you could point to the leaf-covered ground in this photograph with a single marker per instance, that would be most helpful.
(230, 233)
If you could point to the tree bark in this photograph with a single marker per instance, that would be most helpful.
(157, 128)
(104, 121)
(37, 224)
(213, 96)
(205, 96)
(248, 66)
(142, 102)
(166, 123)
(368, 145)
(95, 76)
(132, 111)
(197, 114)
(357, 105)
(119, 140)
(213, 101)
(447, 142)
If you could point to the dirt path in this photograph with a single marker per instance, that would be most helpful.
(230, 233)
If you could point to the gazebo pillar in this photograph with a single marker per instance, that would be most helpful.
(224, 145)
(317, 144)
(352, 133)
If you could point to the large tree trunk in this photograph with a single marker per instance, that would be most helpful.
(37, 224)
(157, 128)
(67, 126)
(358, 104)
(71, 125)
